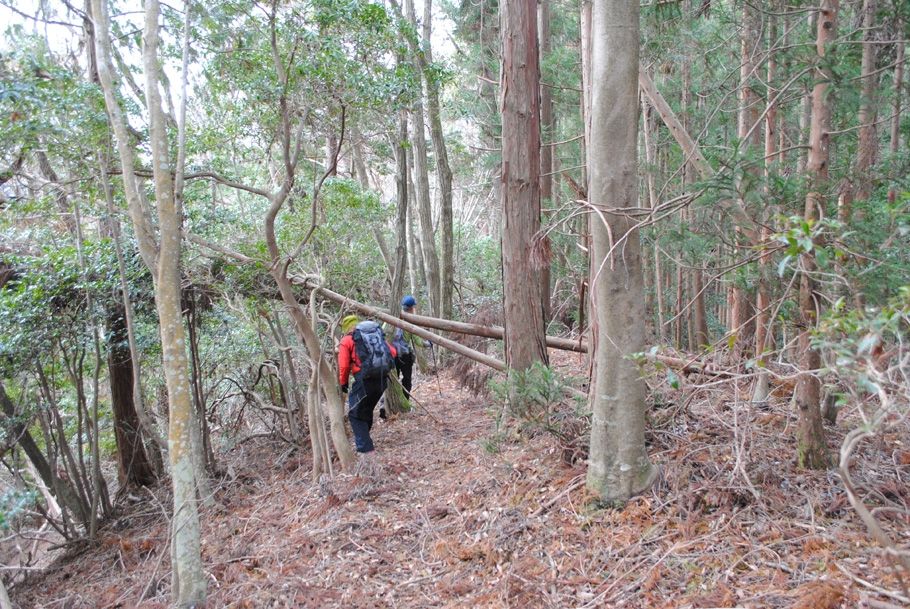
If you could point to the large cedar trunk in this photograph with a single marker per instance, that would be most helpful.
(618, 465)
(523, 313)
(812, 451)
(133, 465)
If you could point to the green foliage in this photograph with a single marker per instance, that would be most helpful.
(854, 336)
(13, 503)
(47, 302)
(530, 396)
(344, 245)
(477, 261)
(42, 103)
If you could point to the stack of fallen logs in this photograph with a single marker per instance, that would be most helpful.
(418, 324)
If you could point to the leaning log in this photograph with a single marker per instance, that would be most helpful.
(451, 345)
(566, 344)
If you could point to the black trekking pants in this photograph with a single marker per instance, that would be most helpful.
(404, 364)
(365, 393)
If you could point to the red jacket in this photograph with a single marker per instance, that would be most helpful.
(348, 362)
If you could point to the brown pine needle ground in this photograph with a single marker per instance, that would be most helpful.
(731, 523)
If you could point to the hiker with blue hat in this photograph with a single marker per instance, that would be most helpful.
(405, 343)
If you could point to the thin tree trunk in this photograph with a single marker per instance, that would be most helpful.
(360, 168)
(422, 178)
(678, 311)
(443, 171)
(652, 201)
(520, 90)
(401, 224)
(742, 323)
(699, 317)
(894, 143)
(189, 582)
(546, 150)
(481, 358)
(868, 136)
(618, 464)
(811, 448)
(805, 117)
(761, 388)
(64, 491)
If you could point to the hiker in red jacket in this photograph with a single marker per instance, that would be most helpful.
(364, 354)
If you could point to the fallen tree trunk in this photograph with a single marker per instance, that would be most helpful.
(451, 345)
(566, 344)
(693, 366)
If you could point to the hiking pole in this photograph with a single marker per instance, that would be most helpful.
(416, 401)
(435, 369)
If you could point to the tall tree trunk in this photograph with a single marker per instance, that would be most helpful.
(134, 467)
(360, 167)
(520, 90)
(762, 298)
(189, 577)
(805, 116)
(742, 324)
(422, 178)
(546, 151)
(401, 224)
(812, 451)
(895, 137)
(868, 137)
(678, 313)
(618, 465)
(652, 201)
(443, 171)
(699, 316)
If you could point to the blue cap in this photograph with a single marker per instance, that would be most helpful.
(408, 301)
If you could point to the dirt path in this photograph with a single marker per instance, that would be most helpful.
(449, 524)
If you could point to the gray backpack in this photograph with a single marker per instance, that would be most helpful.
(372, 350)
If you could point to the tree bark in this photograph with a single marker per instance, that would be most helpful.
(868, 137)
(189, 582)
(134, 467)
(760, 390)
(894, 142)
(189, 578)
(649, 146)
(401, 224)
(443, 171)
(812, 451)
(546, 149)
(618, 464)
(422, 178)
(742, 323)
(520, 90)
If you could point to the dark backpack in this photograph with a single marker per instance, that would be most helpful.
(372, 351)
(401, 345)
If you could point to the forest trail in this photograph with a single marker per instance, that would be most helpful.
(451, 524)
